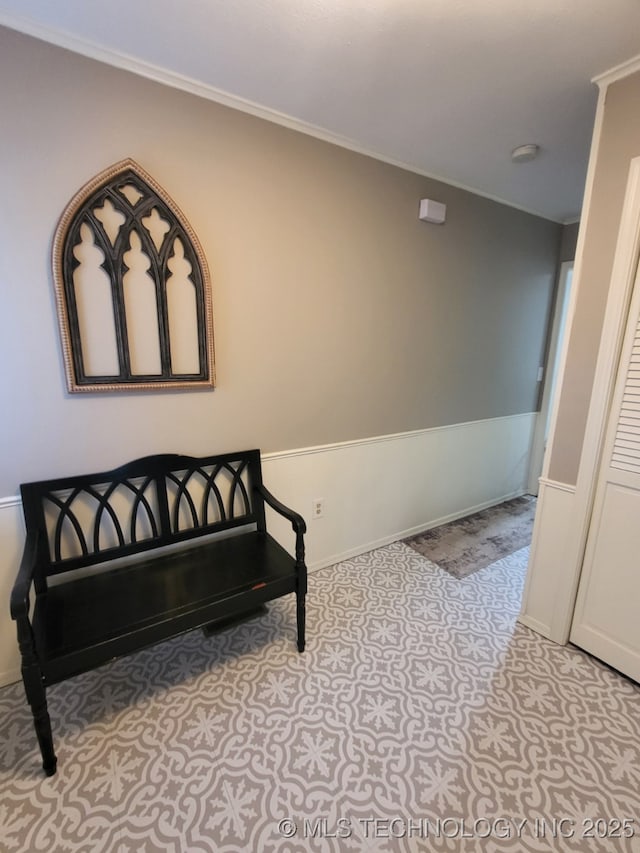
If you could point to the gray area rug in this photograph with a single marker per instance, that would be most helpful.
(468, 544)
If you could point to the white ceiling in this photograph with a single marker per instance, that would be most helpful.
(445, 87)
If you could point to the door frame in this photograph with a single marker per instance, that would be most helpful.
(623, 275)
(559, 330)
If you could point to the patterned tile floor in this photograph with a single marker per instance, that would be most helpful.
(421, 717)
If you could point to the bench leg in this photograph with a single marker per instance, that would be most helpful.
(36, 694)
(37, 698)
(300, 614)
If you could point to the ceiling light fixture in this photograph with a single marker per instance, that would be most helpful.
(525, 153)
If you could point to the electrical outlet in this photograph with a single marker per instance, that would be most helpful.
(317, 508)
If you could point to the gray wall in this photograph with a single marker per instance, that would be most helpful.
(619, 143)
(338, 315)
(568, 242)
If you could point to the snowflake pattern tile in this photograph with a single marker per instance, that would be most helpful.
(421, 717)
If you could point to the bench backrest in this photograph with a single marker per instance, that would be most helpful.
(149, 503)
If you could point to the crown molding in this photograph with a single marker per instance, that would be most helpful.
(619, 72)
(174, 80)
(12, 500)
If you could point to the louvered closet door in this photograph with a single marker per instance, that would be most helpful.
(607, 614)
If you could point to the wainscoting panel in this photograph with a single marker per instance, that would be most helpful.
(382, 489)
(11, 544)
(547, 560)
(375, 491)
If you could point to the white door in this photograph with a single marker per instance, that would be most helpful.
(607, 615)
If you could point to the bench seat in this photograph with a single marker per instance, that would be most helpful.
(81, 624)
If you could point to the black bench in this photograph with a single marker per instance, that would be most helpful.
(127, 558)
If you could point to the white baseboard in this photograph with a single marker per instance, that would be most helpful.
(375, 491)
(413, 531)
(529, 622)
(10, 676)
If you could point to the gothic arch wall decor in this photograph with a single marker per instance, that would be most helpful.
(132, 288)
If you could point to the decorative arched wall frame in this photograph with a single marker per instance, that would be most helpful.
(132, 288)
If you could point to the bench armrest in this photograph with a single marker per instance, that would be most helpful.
(297, 521)
(24, 580)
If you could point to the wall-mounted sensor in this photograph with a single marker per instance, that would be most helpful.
(432, 211)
